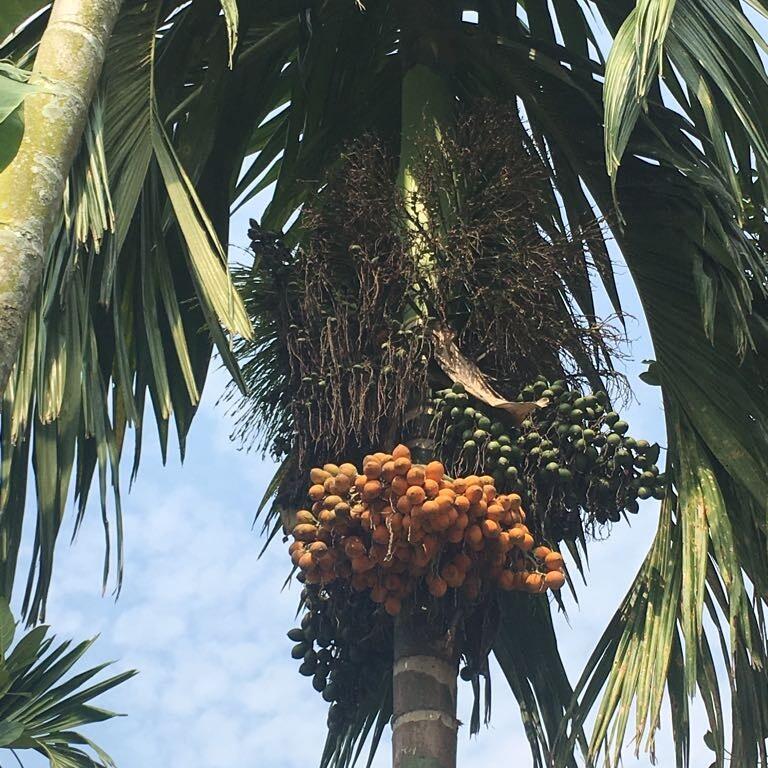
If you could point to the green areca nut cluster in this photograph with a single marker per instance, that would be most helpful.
(572, 459)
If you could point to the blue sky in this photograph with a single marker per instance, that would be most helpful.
(204, 619)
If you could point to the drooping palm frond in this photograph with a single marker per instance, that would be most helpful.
(136, 292)
(527, 652)
(42, 706)
(15, 12)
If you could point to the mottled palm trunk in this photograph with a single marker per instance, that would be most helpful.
(67, 66)
(424, 725)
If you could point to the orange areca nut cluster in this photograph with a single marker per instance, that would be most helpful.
(396, 523)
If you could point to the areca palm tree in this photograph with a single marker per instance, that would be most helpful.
(666, 140)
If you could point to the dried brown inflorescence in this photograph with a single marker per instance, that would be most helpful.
(356, 365)
(355, 304)
(510, 274)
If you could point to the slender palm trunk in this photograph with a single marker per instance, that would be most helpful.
(424, 724)
(67, 66)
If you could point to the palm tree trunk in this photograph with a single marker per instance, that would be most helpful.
(67, 66)
(424, 724)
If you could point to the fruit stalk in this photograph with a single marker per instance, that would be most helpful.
(424, 724)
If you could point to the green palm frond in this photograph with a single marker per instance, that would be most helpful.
(14, 87)
(527, 652)
(42, 705)
(136, 292)
(16, 12)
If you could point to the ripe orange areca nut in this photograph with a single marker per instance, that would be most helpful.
(456, 535)
(461, 503)
(473, 534)
(416, 495)
(318, 549)
(507, 580)
(304, 532)
(318, 476)
(534, 582)
(434, 470)
(372, 489)
(399, 485)
(392, 606)
(554, 561)
(342, 483)
(554, 579)
(474, 493)
(437, 586)
(402, 465)
(401, 451)
(415, 476)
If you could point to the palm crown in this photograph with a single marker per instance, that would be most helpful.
(667, 139)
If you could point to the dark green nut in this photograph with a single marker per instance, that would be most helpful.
(308, 669)
(298, 650)
(331, 692)
(564, 475)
